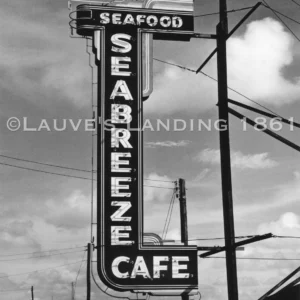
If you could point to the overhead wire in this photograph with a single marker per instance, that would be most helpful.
(41, 171)
(280, 13)
(40, 270)
(9, 291)
(159, 180)
(276, 14)
(78, 273)
(69, 176)
(168, 217)
(159, 187)
(214, 79)
(26, 253)
(48, 172)
(257, 258)
(41, 256)
(295, 2)
(43, 164)
(228, 11)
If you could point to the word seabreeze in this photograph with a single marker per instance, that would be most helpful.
(120, 163)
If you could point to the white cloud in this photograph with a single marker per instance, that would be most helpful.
(157, 188)
(238, 159)
(35, 67)
(181, 143)
(73, 213)
(256, 62)
(287, 224)
(178, 90)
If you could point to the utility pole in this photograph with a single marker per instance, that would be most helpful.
(222, 34)
(183, 218)
(32, 295)
(88, 273)
(183, 214)
(72, 291)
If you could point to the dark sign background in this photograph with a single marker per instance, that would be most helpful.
(106, 251)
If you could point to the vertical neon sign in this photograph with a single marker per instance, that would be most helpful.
(124, 262)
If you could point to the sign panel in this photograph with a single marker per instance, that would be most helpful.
(124, 261)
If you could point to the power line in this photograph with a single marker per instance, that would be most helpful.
(42, 256)
(175, 65)
(41, 171)
(9, 291)
(295, 2)
(269, 7)
(42, 251)
(168, 217)
(40, 270)
(286, 237)
(228, 11)
(245, 237)
(237, 92)
(158, 180)
(44, 164)
(214, 79)
(275, 13)
(258, 258)
(79, 271)
(65, 175)
(159, 187)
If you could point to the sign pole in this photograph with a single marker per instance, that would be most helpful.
(88, 273)
(222, 33)
(183, 219)
(32, 295)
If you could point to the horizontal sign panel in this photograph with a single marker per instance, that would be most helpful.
(91, 17)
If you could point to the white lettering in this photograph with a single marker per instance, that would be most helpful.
(176, 267)
(152, 21)
(157, 267)
(116, 18)
(116, 235)
(116, 66)
(118, 215)
(129, 20)
(177, 22)
(124, 46)
(115, 266)
(165, 21)
(116, 162)
(140, 268)
(116, 187)
(140, 19)
(120, 135)
(104, 18)
(123, 111)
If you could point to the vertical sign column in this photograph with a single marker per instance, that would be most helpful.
(120, 157)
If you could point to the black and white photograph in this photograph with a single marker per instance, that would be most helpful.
(150, 150)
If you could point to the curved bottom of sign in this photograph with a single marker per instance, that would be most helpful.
(110, 292)
(141, 294)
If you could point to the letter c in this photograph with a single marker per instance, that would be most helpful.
(115, 266)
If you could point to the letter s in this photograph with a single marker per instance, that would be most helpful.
(125, 46)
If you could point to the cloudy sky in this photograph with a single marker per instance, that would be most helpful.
(45, 75)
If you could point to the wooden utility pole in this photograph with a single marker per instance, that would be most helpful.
(32, 295)
(72, 291)
(183, 218)
(88, 273)
(183, 213)
(222, 34)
